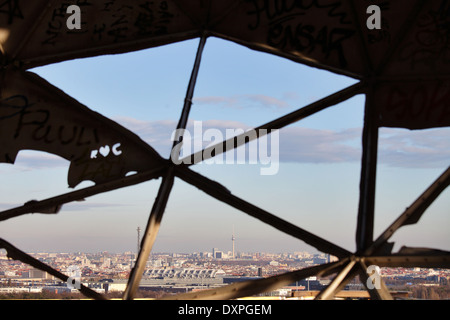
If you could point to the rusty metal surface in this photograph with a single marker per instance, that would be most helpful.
(403, 69)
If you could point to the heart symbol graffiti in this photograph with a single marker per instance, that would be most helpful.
(104, 151)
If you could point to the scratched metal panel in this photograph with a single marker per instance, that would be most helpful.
(15, 21)
(425, 49)
(379, 42)
(106, 27)
(36, 116)
(415, 91)
(320, 33)
(414, 105)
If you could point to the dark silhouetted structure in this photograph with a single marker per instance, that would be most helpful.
(402, 68)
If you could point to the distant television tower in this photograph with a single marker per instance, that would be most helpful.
(232, 241)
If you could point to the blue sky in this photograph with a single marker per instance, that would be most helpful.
(316, 187)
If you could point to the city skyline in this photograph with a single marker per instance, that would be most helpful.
(316, 187)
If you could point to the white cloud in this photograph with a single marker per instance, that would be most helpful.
(421, 148)
(306, 145)
(245, 101)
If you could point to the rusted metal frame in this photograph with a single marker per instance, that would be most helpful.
(222, 194)
(16, 254)
(366, 210)
(349, 277)
(219, 192)
(81, 194)
(334, 287)
(419, 252)
(278, 123)
(423, 261)
(253, 287)
(181, 126)
(413, 213)
(360, 271)
(382, 292)
(160, 203)
(376, 293)
(150, 234)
